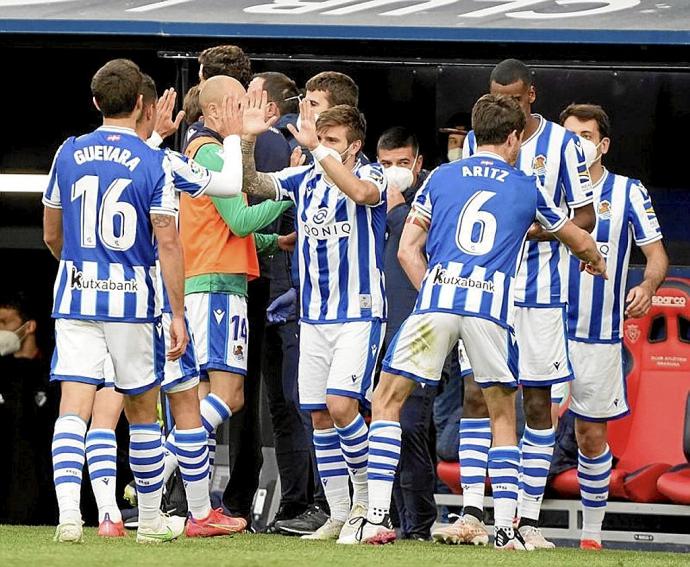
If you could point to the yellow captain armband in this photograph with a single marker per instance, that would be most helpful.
(418, 218)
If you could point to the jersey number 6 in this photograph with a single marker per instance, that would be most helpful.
(476, 230)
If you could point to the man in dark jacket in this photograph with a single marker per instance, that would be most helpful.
(413, 492)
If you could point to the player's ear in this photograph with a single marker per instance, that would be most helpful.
(356, 146)
(605, 144)
(420, 162)
(532, 94)
(93, 99)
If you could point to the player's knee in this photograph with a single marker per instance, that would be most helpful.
(473, 405)
(537, 407)
(342, 409)
(591, 437)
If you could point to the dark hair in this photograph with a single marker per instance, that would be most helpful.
(148, 89)
(340, 88)
(494, 117)
(511, 71)
(589, 112)
(227, 60)
(280, 87)
(116, 87)
(191, 106)
(19, 302)
(344, 115)
(398, 137)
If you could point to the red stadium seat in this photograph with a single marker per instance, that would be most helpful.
(675, 484)
(649, 441)
(449, 473)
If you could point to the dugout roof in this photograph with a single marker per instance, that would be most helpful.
(634, 22)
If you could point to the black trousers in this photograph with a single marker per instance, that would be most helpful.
(292, 428)
(246, 458)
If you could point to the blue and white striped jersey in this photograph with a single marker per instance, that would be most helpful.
(479, 210)
(624, 214)
(339, 246)
(107, 184)
(555, 156)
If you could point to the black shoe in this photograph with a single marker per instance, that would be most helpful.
(304, 524)
(285, 512)
(174, 500)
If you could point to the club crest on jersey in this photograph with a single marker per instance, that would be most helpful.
(604, 210)
(539, 165)
(195, 168)
(632, 332)
(238, 352)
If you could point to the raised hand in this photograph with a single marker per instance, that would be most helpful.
(231, 117)
(165, 125)
(254, 120)
(306, 135)
(297, 157)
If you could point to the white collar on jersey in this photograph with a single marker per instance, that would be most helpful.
(487, 153)
(120, 129)
(542, 123)
(601, 181)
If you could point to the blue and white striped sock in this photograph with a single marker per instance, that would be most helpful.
(354, 442)
(214, 411)
(594, 476)
(333, 472)
(192, 454)
(101, 456)
(537, 451)
(146, 462)
(504, 466)
(68, 463)
(384, 456)
(473, 452)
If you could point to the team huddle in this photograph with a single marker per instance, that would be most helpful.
(519, 252)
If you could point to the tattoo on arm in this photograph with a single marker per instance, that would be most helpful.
(253, 182)
(162, 221)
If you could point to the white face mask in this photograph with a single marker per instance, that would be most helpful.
(399, 177)
(454, 153)
(10, 341)
(591, 151)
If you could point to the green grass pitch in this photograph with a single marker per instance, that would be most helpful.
(25, 546)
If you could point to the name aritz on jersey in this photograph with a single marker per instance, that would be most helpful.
(79, 281)
(442, 277)
(485, 171)
(107, 153)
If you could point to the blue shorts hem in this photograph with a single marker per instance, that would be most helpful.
(80, 379)
(409, 376)
(311, 407)
(204, 368)
(139, 390)
(467, 372)
(347, 394)
(539, 383)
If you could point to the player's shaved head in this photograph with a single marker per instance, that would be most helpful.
(215, 89)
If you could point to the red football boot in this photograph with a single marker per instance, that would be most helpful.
(590, 544)
(108, 528)
(215, 524)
